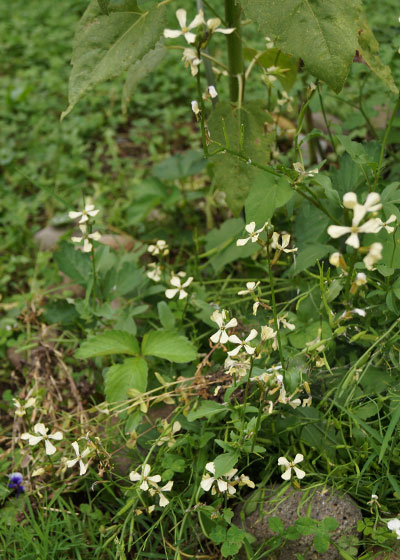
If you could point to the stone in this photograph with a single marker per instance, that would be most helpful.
(296, 503)
(48, 237)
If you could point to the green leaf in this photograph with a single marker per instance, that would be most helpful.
(323, 34)
(140, 70)
(232, 175)
(131, 374)
(267, 193)
(309, 255)
(180, 166)
(206, 409)
(103, 4)
(276, 525)
(394, 421)
(305, 525)
(73, 263)
(224, 463)
(218, 534)
(167, 318)
(321, 542)
(329, 524)
(369, 49)
(107, 45)
(303, 334)
(169, 345)
(107, 343)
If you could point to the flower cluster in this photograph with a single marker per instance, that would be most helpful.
(224, 484)
(150, 483)
(178, 287)
(84, 220)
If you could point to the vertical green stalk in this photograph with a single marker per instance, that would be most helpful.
(384, 142)
(235, 51)
(273, 301)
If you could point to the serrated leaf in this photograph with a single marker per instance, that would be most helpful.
(107, 343)
(139, 70)
(107, 45)
(131, 374)
(322, 34)
(169, 345)
(369, 49)
(232, 175)
(73, 263)
(267, 193)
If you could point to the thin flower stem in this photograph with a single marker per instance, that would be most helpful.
(274, 312)
(202, 120)
(384, 142)
(321, 102)
(246, 391)
(253, 443)
(300, 124)
(350, 276)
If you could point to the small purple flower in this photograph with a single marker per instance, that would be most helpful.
(15, 482)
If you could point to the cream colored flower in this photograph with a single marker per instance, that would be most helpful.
(159, 491)
(374, 255)
(299, 168)
(220, 317)
(191, 59)
(185, 30)
(245, 481)
(86, 237)
(169, 431)
(359, 210)
(154, 272)
(195, 107)
(253, 233)
(41, 435)
(251, 286)
(213, 26)
(389, 229)
(242, 344)
(160, 248)
(88, 212)
(144, 478)
(285, 242)
(267, 333)
(394, 525)
(79, 458)
(179, 288)
(223, 484)
(289, 465)
(20, 409)
(212, 92)
(237, 367)
(361, 279)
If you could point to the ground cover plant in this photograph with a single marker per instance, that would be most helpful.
(199, 289)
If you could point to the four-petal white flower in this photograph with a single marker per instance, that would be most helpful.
(179, 288)
(191, 59)
(144, 478)
(86, 237)
(88, 212)
(251, 286)
(41, 435)
(289, 465)
(185, 30)
(79, 458)
(394, 525)
(253, 233)
(220, 317)
(213, 25)
(207, 482)
(242, 344)
(285, 242)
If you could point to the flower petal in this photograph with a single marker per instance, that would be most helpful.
(338, 231)
(299, 473)
(171, 293)
(40, 429)
(287, 474)
(181, 17)
(206, 483)
(56, 435)
(172, 33)
(298, 459)
(50, 449)
(76, 448)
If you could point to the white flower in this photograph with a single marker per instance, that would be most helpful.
(144, 478)
(289, 465)
(195, 107)
(166, 488)
(267, 333)
(169, 432)
(285, 242)
(207, 482)
(389, 229)
(253, 233)
(361, 279)
(269, 43)
(251, 286)
(79, 457)
(212, 92)
(236, 367)
(86, 237)
(178, 287)
(394, 525)
(21, 408)
(359, 211)
(242, 344)
(191, 59)
(41, 431)
(213, 26)
(245, 481)
(334, 259)
(154, 272)
(88, 212)
(185, 30)
(160, 247)
(374, 255)
(220, 318)
(285, 323)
